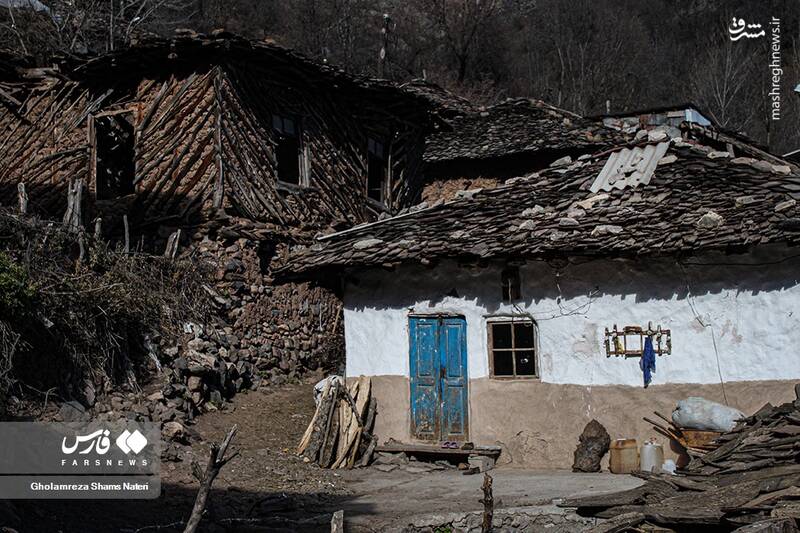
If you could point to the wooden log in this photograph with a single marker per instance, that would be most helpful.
(310, 429)
(337, 522)
(127, 248)
(488, 504)
(618, 524)
(216, 461)
(173, 244)
(329, 433)
(320, 424)
(22, 199)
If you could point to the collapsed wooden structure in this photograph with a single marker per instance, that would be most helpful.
(183, 129)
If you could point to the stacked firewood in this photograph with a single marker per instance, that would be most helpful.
(340, 434)
(770, 437)
(753, 476)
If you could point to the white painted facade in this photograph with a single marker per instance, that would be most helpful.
(733, 319)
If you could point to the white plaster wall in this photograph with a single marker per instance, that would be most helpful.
(749, 311)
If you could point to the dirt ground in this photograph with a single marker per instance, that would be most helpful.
(268, 488)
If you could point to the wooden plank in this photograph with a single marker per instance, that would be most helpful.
(435, 450)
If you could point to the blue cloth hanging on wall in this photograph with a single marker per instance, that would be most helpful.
(648, 361)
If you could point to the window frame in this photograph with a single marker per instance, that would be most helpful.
(386, 159)
(302, 153)
(92, 140)
(512, 319)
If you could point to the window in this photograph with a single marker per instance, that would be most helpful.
(114, 168)
(288, 153)
(510, 285)
(377, 171)
(512, 348)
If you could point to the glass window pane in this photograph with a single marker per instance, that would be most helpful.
(288, 124)
(523, 335)
(277, 123)
(526, 363)
(501, 335)
(503, 365)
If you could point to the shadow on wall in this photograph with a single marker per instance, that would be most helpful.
(642, 280)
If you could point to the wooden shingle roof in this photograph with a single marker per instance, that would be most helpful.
(697, 199)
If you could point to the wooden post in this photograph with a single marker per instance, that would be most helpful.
(216, 461)
(173, 244)
(337, 522)
(98, 228)
(73, 217)
(384, 45)
(488, 504)
(127, 234)
(22, 199)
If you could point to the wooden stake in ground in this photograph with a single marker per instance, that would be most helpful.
(216, 460)
(488, 504)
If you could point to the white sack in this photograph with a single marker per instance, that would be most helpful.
(320, 386)
(699, 413)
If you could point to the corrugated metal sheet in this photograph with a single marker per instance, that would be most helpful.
(629, 167)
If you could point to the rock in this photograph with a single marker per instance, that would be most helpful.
(781, 169)
(606, 229)
(194, 384)
(173, 431)
(782, 206)
(594, 443)
(385, 468)
(533, 211)
(710, 220)
(215, 397)
(72, 411)
(468, 194)
(366, 243)
(566, 160)
(568, 222)
(742, 201)
(155, 397)
(718, 155)
(180, 364)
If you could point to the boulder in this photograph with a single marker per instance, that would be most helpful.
(594, 443)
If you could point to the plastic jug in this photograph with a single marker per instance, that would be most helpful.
(624, 457)
(652, 457)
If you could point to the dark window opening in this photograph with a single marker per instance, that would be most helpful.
(115, 168)
(512, 348)
(377, 171)
(510, 284)
(288, 150)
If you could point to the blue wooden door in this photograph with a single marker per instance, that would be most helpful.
(438, 378)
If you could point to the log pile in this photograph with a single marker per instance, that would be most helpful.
(340, 434)
(752, 477)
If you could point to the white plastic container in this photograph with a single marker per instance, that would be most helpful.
(651, 457)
